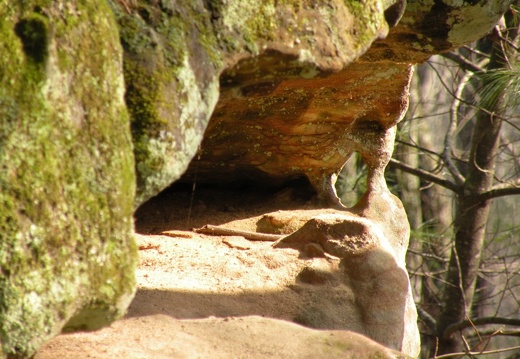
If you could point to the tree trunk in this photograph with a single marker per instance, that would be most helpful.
(429, 208)
(470, 222)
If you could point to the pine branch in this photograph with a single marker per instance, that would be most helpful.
(424, 175)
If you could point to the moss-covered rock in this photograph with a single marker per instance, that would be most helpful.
(67, 253)
(170, 68)
(429, 27)
(175, 52)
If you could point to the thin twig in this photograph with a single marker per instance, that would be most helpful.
(451, 355)
(417, 147)
(474, 327)
(462, 62)
(466, 346)
(428, 255)
(479, 321)
(223, 231)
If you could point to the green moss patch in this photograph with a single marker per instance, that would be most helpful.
(67, 177)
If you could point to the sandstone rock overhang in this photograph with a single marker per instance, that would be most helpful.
(278, 119)
(281, 116)
(174, 56)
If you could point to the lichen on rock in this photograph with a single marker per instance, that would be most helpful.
(67, 252)
(175, 55)
(170, 61)
(430, 27)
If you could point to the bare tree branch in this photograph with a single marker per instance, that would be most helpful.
(476, 51)
(501, 332)
(501, 190)
(427, 318)
(223, 231)
(448, 140)
(425, 175)
(458, 355)
(479, 321)
(462, 62)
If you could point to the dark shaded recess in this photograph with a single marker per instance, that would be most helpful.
(435, 25)
(268, 65)
(33, 33)
(145, 14)
(394, 13)
(238, 177)
(260, 89)
(213, 7)
(369, 126)
(184, 197)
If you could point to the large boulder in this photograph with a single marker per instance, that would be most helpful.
(371, 241)
(67, 252)
(281, 116)
(170, 69)
(175, 53)
(251, 337)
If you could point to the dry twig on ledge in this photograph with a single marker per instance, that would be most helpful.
(222, 231)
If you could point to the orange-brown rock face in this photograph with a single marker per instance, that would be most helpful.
(280, 117)
(277, 120)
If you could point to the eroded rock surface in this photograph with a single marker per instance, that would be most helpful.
(174, 55)
(373, 268)
(277, 120)
(333, 268)
(371, 239)
(279, 117)
(430, 27)
(249, 337)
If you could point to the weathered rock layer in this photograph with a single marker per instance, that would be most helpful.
(174, 56)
